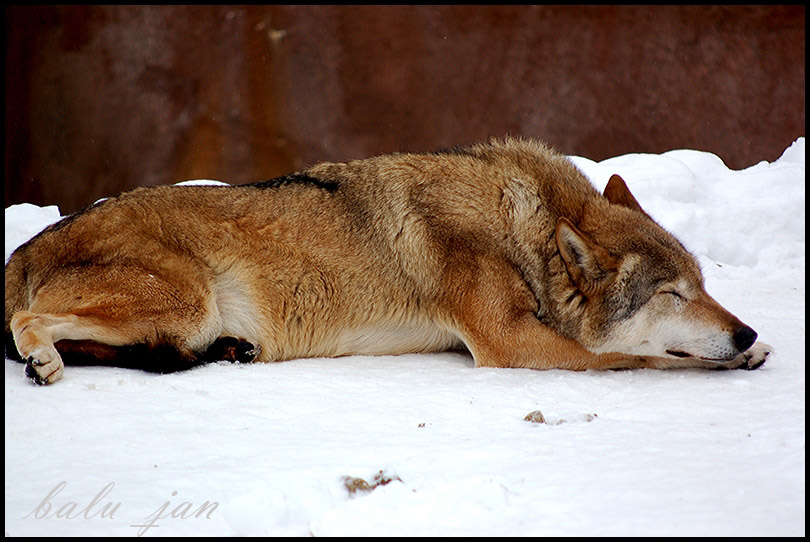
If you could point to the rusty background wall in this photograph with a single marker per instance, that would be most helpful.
(100, 99)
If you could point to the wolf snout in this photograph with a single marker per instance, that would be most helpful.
(744, 338)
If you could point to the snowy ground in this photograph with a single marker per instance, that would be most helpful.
(264, 449)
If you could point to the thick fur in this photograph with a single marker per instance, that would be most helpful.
(503, 248)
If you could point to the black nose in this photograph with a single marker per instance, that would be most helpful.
(744, 338)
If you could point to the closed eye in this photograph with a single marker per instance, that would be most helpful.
(673, 292)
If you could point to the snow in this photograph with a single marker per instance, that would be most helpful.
(265, 449)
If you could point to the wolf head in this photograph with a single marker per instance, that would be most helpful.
(634, 288)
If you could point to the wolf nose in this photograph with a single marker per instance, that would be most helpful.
(744, 337)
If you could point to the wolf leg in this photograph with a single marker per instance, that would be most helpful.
(114, 311)
(751, 359)
(495, 314)
(530, 344)
(40, 338)
(525, 342)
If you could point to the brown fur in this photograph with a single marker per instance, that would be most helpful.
(504, 248)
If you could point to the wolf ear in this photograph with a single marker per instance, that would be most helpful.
(617, 193)
(588, 264)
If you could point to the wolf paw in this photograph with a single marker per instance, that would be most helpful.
(44, 367)
(246, 352)
(233, 350)
(751, 359)
(756, 356)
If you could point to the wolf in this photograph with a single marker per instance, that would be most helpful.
(502, 248)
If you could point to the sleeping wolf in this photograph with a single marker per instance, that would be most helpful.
(504, 248)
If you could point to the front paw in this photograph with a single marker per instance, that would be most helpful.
(751, 359)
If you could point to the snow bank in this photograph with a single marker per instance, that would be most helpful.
(750, 222)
